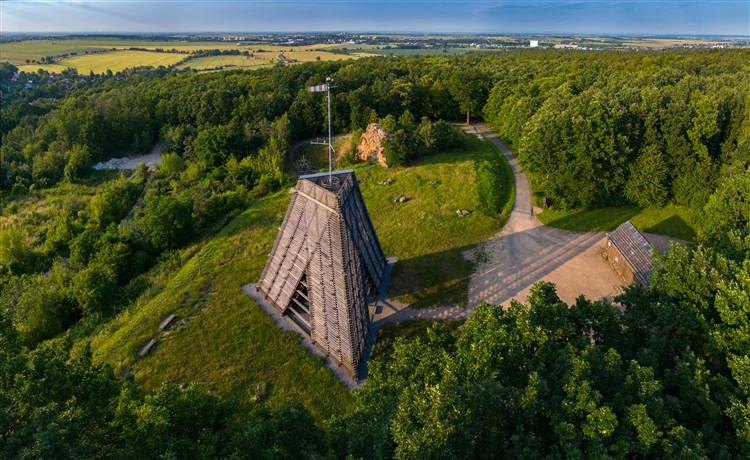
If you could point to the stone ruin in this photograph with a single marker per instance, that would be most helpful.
(371, 146)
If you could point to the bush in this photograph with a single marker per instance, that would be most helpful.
(114, 202)
(167, 221)
(437, 136)
(489, 187)
(95, 289)
(44, 309)
(171, 163)
(397, 148)
(79, 163)
(350, 155)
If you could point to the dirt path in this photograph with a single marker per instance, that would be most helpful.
(152, 159)
(524, 252)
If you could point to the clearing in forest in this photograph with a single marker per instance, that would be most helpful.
(228, 342)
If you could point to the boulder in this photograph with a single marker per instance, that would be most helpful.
(371, 146)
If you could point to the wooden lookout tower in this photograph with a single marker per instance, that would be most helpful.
(325, 262)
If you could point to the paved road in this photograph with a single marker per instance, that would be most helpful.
(523, 253)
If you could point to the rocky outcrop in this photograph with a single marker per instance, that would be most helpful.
(371, 146)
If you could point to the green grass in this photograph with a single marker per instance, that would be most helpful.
(217, 62)
(425, 233)
(229, 342)
(671, 220)
(231, 345)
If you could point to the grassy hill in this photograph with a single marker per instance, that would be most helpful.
(231, 345)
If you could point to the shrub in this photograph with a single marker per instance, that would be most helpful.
(95, 289)
(167, 221)
(171, 163)
(79, 163)
(489, 187)
(397, 148)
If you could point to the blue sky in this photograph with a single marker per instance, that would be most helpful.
(651, 17)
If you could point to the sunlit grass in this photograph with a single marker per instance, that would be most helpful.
(228, 342)
(231, 345)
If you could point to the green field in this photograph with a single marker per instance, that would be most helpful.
(230, 344)
(113, 60)
(17, 52)
(671, 220)
(379, 50)
(113, 54)
(223, 62)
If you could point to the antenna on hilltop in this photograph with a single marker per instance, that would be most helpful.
(319, 89)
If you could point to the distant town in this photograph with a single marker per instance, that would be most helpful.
(360, 41)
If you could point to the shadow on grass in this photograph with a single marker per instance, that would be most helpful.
(592, 220)
(431, 280)
(674, 226)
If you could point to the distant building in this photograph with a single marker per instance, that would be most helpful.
(534, 43)
(630, 254)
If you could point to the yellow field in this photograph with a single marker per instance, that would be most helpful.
(226, 62)
(114, 61)
(117, 57)
(17, 52)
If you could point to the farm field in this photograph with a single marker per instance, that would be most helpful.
(380, 50)
(218, 62)
(17, 52)
(114, 54)
(115, 61)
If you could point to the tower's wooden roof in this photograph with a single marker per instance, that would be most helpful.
(328, 253)
(635, 250)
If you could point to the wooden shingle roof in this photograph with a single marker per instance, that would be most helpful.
(635, 250)
(325, 259)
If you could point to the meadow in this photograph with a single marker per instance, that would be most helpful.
(229, 343)
(223, 62)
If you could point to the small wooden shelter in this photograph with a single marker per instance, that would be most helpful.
(325, 262)
(630, 254)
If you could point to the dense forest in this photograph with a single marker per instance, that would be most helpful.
(666, 376)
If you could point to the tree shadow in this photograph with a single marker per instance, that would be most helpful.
(518, 261)
(595, 220)
(674, 226)
(440, 278)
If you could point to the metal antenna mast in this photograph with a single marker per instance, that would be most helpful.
(330, 146)
(319, 89)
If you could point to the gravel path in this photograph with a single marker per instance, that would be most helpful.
(152, 159)
(524, 252)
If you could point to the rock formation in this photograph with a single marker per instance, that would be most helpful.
(371, 146)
